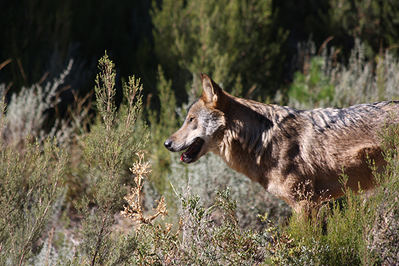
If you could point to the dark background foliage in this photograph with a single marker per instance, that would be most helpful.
(41, 36)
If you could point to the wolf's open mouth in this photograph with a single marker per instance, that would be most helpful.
(192, 151)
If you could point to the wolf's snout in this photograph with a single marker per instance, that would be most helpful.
(168, 144)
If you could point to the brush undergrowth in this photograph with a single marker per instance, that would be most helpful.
(31, 194)
(208, 214)
(324, 82)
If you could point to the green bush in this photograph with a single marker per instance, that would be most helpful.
(31, 196)
(162, 124)
(323, 82)
(373, 22)
(312, 86)
(32, 173)
(235, 42)
(108, 150)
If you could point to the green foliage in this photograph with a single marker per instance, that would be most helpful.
(108, 149)
(233, 41)
(199, 240)
(313, 85)
(113, 141)
(342, 241)
(33, 165)
(31, 189)
(249, 42)
(204, 242)
(211, 174)
(325, 83)
(163, 123)
(374, 22)
(340, 22)
(382, 226)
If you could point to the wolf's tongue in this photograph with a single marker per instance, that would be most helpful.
(186, 158)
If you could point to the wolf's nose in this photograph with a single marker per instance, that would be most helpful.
(168, 144)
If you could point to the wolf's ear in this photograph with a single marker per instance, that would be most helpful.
(211, 92)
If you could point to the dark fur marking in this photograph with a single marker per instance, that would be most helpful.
(265, 122)
(290, 168)
(293, 151)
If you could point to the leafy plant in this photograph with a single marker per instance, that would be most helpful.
(326, 83)
(108, 149)
(311, 86)
(235, 42)
(31, 194)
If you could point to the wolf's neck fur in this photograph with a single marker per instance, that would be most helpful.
(247, 145)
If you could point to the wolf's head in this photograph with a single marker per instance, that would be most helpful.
(203, 126)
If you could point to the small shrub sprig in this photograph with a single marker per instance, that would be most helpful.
(134, 209)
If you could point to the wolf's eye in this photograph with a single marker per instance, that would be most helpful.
(191, 119)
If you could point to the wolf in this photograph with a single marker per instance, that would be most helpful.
(299, 156)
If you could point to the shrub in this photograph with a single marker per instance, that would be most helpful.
(210, 174)
(31, 195)
(32, 170)
(326, 83)
(198, 238)
(382, 227)
(369, 21)
(235, 42)
(312, 86)
(162, 124)
(107, 151)
(27, 113)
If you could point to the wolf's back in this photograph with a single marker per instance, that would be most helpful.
(361, 115)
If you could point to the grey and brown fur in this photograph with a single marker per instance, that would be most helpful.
(299, 156)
